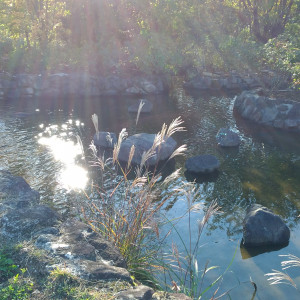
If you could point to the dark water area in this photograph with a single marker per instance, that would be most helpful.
(38, 140)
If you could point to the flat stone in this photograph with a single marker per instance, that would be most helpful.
(202, 164)
(138, 293)
(91, 270)
(227, 138)
(147, 107)
(262, 228)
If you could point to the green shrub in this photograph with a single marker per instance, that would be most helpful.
(18, 288)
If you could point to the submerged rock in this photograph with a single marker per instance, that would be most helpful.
(202, 164)
(262, 228)
(143, 142)
(227, 138)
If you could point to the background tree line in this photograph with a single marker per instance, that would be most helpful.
(162, 36)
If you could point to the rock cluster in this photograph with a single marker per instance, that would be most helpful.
(283, 114)
(78, 84)
(81, 251)
(68, 245)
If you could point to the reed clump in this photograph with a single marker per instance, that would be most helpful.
(128, 212)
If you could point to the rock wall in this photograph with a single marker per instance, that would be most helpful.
(79, 84)
(232, 81)
(278, 113)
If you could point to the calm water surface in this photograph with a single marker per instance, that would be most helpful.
(39, 142)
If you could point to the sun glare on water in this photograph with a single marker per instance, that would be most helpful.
(72, 176)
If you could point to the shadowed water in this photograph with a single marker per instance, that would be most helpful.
(39, 142)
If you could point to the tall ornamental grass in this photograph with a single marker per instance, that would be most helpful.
(129, 212)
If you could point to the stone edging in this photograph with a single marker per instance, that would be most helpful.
(78, 84)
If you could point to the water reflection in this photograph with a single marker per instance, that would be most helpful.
(265, 168)
(67, 152)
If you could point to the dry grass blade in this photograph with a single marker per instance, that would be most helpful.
(95, 122)
(293, 261)
(109, 139)
(172, 177)
(98, 161)
(213, 209)
(142, 103)
(175, 127)
(122, 136)
(179, 151)
(278, 277)
(131, 153)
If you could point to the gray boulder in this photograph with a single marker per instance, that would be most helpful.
(143, 142)
(202, 164)
(23, 223)
(15, 191)
(105, 139)
(227, 138)
(147, 107)
(262, 227)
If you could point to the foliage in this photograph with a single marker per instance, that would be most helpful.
(266, 19)
(169, 37)
(283, 54)
(18, 288)
(7, 266)
(63, 285)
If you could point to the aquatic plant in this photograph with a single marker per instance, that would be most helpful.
(128, 213)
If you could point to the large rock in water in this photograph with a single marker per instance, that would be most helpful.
(143, 142)
(105, 139)
(202, 164)
(262, 228)
(227, 138)
(283, 114)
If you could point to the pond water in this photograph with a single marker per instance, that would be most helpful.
(39, 142)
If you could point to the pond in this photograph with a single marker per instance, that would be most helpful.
(39, 142)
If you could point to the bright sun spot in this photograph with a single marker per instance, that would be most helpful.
(72, 176)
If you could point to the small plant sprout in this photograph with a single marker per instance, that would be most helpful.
(95, 122)
(142, 103)
(278, 277)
